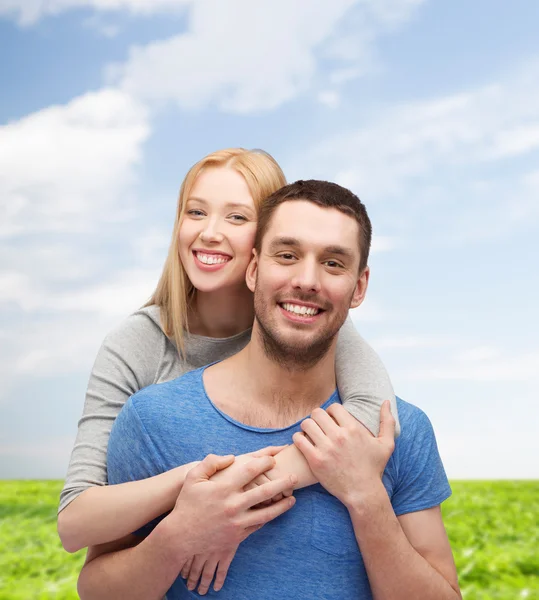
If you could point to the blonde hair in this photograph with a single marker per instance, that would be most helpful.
(174, 291)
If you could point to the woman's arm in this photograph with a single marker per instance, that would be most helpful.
(127, 361)
(362, 379)
(106, 513)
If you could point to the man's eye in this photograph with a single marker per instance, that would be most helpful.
(286, 256)
(333, 264)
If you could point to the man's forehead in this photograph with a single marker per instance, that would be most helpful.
(303, 223)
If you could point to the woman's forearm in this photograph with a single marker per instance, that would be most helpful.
(291, 461)
(104, 514)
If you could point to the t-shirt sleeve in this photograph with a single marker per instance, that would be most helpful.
(127, 361)
(362, 379)
(131, 454)
(421, 479)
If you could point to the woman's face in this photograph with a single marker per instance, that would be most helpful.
(217, 231)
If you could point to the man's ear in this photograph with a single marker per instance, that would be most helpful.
(250, 275)
(361, 288)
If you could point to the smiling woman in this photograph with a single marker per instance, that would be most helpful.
(201, 312)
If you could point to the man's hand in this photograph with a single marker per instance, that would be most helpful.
(214, 516)
(343, 455)
(204, 566)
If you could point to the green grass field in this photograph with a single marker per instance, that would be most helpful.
(493, 527)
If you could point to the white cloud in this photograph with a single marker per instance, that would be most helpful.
(28, 12)
(416, 160)
(384, 243)
(329, 98)
(65, 167)
(245, 56)
(481, 367)
(414, 341)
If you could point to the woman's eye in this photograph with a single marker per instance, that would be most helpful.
(238, 218)
(195, 212)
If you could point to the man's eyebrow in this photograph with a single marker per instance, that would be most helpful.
(295, 243)
(340, 251)
(283, 241)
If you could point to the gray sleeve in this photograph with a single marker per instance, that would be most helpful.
(127, 361)
(362, 379)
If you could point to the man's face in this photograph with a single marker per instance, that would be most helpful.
(305, 280)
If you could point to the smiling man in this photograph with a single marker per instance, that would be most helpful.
(372, 526)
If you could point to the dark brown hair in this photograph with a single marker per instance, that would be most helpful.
(327, 195)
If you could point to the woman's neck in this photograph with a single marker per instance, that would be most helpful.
(221, 314)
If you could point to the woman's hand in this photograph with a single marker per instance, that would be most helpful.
(204, 567)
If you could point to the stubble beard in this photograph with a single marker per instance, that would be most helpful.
(291, 357)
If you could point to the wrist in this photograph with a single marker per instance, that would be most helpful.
(362, 499)
(172, 541)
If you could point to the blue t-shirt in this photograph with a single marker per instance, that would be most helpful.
(311, 550)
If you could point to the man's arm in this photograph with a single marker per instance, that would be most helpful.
(208, 516)
(406, 557)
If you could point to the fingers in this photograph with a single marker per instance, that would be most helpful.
(326, 423)
(303, 444)
(210, 465)
(387, 423)
(267, 491)
(222, 570)
(207, 574)
(196, 569)
(260, 480)
(312, 429)
(341, 416)
(251, 470)
(261, 516)
(186, 568)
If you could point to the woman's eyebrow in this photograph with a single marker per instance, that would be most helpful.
(227, 205)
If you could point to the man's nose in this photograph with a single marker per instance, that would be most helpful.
(306, 276)
(211, 232)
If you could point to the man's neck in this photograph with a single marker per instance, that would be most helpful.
(273, 384)
(222, 314)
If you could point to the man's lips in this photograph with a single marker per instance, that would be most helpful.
(303, 311)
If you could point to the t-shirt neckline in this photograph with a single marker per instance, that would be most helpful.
(334, 396)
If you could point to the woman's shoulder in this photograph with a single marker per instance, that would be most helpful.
(138, 332)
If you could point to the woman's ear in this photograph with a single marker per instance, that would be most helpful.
(250, 275)
(361, 288)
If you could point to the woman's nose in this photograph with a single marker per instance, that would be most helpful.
(211, 233)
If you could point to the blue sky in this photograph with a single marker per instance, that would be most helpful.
(428, 110)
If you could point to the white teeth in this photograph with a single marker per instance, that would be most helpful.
(211, 259)
(300, 310)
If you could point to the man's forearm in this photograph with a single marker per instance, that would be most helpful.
(142, 572)
(395, 569)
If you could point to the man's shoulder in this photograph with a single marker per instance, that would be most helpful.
(413, 420)
(186, 384)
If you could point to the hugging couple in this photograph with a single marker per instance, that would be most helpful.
(239, 438)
